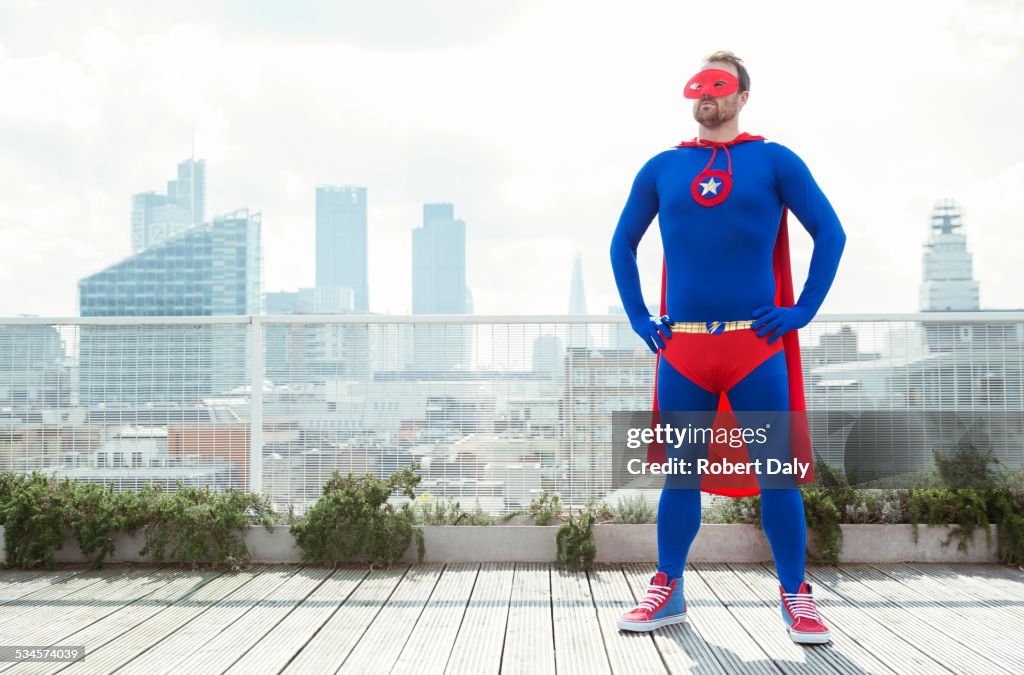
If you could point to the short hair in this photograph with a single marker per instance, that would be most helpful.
(729, 57)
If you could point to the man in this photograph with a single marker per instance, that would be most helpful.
(722, 200)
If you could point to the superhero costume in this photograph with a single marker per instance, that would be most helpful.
(722, 211)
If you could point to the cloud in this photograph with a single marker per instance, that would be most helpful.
(531, 118)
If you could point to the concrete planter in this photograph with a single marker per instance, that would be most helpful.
(615, 544)
(895, 543)
(747, 543)
(714, 543)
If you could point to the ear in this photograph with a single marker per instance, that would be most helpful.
(743, 98)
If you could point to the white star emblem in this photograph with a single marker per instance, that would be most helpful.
(711, 185)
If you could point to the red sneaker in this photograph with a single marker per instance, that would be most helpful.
(801, 616)
(662, 606)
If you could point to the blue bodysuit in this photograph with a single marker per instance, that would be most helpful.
(719, 207)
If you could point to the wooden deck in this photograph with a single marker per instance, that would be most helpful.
(505, 618)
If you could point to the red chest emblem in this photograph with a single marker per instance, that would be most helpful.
(710, 188)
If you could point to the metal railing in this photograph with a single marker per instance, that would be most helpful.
(494, 409)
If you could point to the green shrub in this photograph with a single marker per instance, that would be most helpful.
(877, 506)
(823, 518)
(574, 542)
(432, 511)
(199, 524)
(1006, 507)
(39, 512)
(634, 510)
(967, 467)
(740, 510)
(480, 517)
(966, 508)
(353, 517)
(102, 513)
(545, 508)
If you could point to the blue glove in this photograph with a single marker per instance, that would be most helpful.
(777, 321)
(652, 331)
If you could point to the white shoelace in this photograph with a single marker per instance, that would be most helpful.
(656, 596)
(802, 605)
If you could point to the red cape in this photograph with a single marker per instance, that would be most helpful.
(800, 437)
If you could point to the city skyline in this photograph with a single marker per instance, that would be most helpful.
(536, 147)
(947, 283)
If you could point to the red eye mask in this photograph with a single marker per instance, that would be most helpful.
(711, 82)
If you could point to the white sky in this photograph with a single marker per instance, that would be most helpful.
(531, 117)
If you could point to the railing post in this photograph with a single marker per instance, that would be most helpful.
(255, 405)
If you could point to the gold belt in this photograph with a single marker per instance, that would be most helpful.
(709, 327)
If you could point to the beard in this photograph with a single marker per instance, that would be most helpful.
(715, 115)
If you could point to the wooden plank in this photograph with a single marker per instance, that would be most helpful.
(857, 585)
(230, 645)
(682, 647)
(763, 623)
(107, 600)
(15, 584)
(379, 647)
(1008, 577)
(866, 627)
(628, 652)
(845, 654)
(975, 588)
(272, 653)
(179, 584)
(191, 637)
(428, 647)
(999, 581)
(326, 651)
(51, 597)
(478, 646)
(728, 640)
(17, 575)
(529, 637)
(942, 605)
(92, 600)
(129, 645)
(578, 644)
(948, 632)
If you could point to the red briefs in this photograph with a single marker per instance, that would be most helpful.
(718, 362)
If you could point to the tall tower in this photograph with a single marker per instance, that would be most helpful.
(212, 269)
(579, 335)
(341, 242)
(439, 287)
(577, 297)
(156, 217)
(439, 263)
(189, 190)
(947, 278)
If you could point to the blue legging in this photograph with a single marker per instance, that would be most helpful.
(766, 388)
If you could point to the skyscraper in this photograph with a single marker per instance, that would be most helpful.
(212, 269)
(947, 277)
(439, 263)
(439, 287)
(341, 242)
(579, 333)
(209, 270)
(577, 296)
(156, 217)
